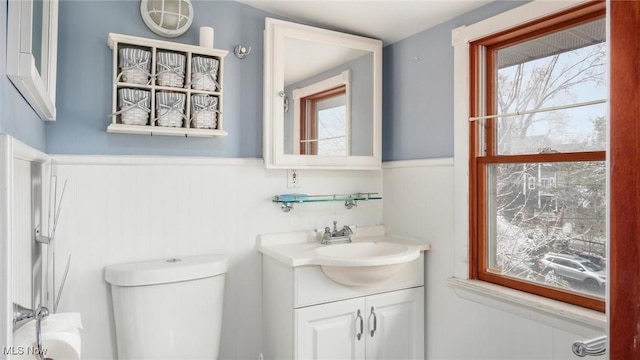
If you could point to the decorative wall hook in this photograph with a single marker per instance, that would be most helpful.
(242, 51)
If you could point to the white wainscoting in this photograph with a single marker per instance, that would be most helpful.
(419, 203)
(121, 209)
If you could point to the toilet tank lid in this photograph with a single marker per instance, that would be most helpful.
(163, 271)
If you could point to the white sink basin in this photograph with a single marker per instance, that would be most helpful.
(364, 263)
(372, 258)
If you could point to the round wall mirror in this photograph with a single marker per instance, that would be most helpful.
(168, 18)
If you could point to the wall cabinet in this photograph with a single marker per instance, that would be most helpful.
(308, 316)
(166, 88)
(384, 326)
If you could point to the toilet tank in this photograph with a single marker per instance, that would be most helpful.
(168, 308)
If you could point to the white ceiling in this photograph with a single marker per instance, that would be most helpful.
(388, 20)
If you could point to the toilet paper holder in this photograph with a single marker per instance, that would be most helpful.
(22, 315)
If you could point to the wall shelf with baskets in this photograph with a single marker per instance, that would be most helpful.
(166, 88)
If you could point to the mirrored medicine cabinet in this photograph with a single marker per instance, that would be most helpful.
(322, 98)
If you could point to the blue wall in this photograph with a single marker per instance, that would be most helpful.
(85, 73)
(17, 118)
(417, 110)
(417, 94)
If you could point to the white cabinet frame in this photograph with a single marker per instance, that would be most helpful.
(37, 87)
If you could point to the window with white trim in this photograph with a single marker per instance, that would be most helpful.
(537, 157)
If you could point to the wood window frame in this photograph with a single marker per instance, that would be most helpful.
(624, 155)
(480, 158)
(309, 109)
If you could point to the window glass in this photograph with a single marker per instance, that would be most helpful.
(332, 126)
(564, 68)
(527, 223)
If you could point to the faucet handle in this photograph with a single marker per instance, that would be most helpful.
(326, 235)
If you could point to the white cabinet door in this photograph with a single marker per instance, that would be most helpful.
(330, 331)
(395, 325)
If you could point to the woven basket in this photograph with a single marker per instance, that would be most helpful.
(137, 114)
(135, 65)
(170, 69)
(204, 73)
(170, 109)
(204, 110)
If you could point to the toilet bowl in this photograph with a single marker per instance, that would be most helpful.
(169, 308)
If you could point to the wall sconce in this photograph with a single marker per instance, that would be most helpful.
(242, 51)
(168, 18)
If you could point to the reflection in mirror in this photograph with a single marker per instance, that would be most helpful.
(332, 91)
(323, 120)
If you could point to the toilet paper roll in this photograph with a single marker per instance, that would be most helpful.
(206, 37)
(60, 337)
(62, 322)
(66, 345)
(61, 345)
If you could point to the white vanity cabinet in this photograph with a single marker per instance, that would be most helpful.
(330, 331)
(308, 316)
(376, 327)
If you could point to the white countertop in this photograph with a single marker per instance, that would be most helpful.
(299, 248)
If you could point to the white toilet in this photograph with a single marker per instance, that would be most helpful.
(169, 308)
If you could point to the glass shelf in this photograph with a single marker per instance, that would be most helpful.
(286, 201)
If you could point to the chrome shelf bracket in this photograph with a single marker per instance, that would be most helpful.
(37, 233)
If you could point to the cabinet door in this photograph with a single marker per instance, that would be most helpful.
(395, 325)
(330, 331)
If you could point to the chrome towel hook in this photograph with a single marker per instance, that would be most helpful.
(242, 51)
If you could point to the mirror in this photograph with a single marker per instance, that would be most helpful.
(32, 41)
(322, 98)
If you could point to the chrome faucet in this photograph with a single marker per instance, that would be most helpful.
(336, 236)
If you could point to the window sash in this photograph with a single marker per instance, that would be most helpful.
(485, 243)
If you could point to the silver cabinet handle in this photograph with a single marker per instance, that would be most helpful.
(359, 334)
(375, 321)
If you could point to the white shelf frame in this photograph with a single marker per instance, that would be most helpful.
(115, 40)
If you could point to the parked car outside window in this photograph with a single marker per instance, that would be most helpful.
(575, 269)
